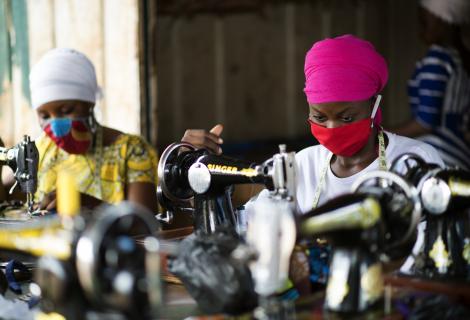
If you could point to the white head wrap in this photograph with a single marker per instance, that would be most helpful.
(451, 11)
(63, 74)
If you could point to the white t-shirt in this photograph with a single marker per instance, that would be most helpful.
(311, 161)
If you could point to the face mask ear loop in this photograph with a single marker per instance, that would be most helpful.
(374, 110)
(92, 123)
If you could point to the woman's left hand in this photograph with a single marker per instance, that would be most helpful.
(49, 202)
(209, 140)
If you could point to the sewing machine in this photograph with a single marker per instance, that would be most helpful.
(91, 267)
(444, 249)
(23, 159)
(375, 223)
(187, 174)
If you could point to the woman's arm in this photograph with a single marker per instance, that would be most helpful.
(143, 193)
(49, 202)
(411, 129)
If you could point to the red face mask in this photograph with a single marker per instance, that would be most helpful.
(344, 140)
(72, 135)
(348, 139)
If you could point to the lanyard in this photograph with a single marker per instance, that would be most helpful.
(321, 182)
(98, 159)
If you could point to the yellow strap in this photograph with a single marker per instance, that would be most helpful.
(321, 182)
(49, 316)
(382, 158)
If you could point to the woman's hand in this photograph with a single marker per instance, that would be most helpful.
(200, 138)
(49, 202)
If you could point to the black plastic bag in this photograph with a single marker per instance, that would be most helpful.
(218, 283)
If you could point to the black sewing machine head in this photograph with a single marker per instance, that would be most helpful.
(23, 159)
(186, 174)
(375, 223)
(107, 264)
(444, 249)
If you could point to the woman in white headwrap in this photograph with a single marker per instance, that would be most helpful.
(439, 89)
(110, 166)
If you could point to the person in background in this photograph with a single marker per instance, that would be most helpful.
(109, 165)
(439, 89)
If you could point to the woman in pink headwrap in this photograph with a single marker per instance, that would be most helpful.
(344, 77)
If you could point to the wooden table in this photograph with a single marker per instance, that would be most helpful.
(457, 290)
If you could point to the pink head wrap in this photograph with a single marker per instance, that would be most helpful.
(343, 69)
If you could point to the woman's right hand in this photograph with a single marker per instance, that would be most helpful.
(49, 202)
(200, 138)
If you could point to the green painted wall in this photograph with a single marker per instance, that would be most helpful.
(5, 49)
(14, 42)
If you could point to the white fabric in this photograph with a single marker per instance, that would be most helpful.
(14, 309)
(451, 11)
(63, 74)
(311, 160)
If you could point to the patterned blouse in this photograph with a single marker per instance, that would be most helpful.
(128, 159)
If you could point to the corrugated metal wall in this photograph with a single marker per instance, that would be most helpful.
(245, 70)
(105, 30)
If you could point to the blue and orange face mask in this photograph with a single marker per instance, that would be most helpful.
(70, 134)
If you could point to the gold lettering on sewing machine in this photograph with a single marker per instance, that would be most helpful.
(232, 170)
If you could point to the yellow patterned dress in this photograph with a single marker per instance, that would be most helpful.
(128, 159)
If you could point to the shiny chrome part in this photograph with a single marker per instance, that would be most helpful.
(410, 192)
(199, 177)
(53, 279)
(435, 195)
(361, 215)
(166, 159)
(93, 256)
(272, 234)
(166, 217)
(153, 269)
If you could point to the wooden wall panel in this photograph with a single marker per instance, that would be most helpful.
(308, 25)
(169, 93)
(17, 118)
(404, 49)
(260, 64)
(255, 79)
(197, 67)
(121, 65)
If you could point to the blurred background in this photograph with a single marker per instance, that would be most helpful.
(168, 65)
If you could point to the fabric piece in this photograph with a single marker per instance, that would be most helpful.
(439, 95)
(318, 258)
(63, 74)
(15, 310)
(345, 68)
(128, 159)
